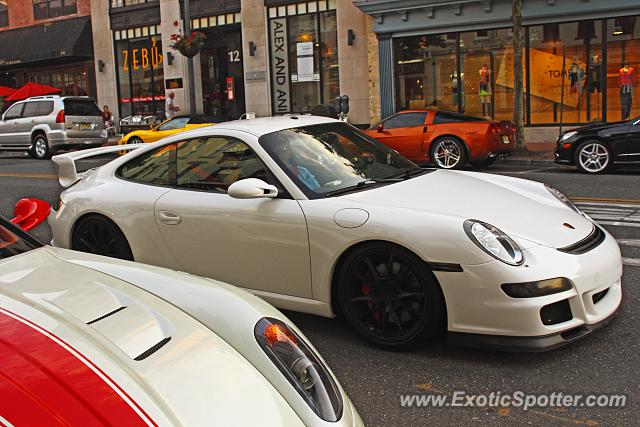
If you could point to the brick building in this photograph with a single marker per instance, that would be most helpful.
(48, 42)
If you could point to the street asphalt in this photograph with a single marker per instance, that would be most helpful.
(604, 363)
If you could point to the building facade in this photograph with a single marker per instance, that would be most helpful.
(581, 58)
(48, 42)
(261, 56)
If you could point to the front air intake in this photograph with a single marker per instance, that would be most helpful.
(594, 238)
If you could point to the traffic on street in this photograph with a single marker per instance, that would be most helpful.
(319, 213)
(377, 380)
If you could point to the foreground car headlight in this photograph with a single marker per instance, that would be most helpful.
(564, 199)
(536, 289)
(299, 364)
(567, 135)
(494, 242)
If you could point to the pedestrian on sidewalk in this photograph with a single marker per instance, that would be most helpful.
(170, 109)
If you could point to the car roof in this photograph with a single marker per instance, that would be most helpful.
(264, 125)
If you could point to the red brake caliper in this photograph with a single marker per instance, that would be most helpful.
(375, 314)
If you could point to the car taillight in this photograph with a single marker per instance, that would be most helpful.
(60, 117)
(494, 127)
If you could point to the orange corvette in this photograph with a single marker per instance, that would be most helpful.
(447, 139)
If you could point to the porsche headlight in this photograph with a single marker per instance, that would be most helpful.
(302, 368)
(565, 200)
(494, 242)
(567, 135)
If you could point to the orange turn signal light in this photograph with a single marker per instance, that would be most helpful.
(566, 145)
(275, 333)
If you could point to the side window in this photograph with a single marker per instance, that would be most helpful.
(214, 163)
(404, 120)
(14, 112)
(44, 108)
(30, 109)
(156, 167)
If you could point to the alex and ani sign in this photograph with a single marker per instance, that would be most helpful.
(279, 65)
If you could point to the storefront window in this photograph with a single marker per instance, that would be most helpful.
(426, 73)
(140, 76)
(4, 15)
(304, 55)
(572, 94)
(486, 59)
(44, 9)
(72, 82)
(623, 67)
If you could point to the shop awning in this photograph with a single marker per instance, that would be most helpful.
(69, 38)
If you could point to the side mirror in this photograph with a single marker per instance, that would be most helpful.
(380, 128)
(29, 213)
(252, 188)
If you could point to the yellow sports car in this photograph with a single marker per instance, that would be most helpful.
(166, 128)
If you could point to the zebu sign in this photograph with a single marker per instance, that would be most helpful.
(279, 65)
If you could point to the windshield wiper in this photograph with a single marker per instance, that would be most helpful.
(408, 174)
(358, 186)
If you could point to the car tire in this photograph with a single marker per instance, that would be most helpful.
(593, 157)
(448, 152)
(40, 147)
(99, 235)
(389, 296)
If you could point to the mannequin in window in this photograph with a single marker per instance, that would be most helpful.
(626, 89)
(485, 89)
(457, 84)
(576, 76)
(594, 78)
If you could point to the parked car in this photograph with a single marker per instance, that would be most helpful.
(166, 128)
(598, 148)
(89, 340)
(448, 140)
(44, 125)
(313, 215)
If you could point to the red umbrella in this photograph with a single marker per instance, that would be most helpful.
(32, 89)
(5, 91)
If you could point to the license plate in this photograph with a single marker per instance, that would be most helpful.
(85, 126)
(505, 139)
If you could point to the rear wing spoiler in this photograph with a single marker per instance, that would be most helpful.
(66, 163)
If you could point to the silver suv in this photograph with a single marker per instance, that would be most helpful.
(43, 125)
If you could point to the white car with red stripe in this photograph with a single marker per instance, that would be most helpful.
(88, 340)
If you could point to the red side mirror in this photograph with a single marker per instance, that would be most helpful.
(380, 128)
(29, 213)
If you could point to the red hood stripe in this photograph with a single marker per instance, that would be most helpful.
(45, 381)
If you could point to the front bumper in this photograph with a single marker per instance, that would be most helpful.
(526, 344)
(480, 313)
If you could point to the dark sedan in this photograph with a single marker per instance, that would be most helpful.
(598, 148)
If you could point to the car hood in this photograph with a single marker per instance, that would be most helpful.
(194, 378)
(598, 127)
(521, 208)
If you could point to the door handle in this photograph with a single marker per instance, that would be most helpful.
(169, 218)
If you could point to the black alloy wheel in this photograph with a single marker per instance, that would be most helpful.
(98, 235)
(390, 296)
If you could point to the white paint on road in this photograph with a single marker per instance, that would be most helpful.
(631, 261)
(613, 214)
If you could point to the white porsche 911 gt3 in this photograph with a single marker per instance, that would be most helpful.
(314, 216)
(88, 340)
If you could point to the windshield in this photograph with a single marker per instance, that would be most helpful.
(173, 124)
(323, 159)
(14, 241)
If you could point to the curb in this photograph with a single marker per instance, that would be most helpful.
(527, 162)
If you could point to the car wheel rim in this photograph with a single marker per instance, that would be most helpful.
(97, 238)
(447, 154)
(135, 141)
(385, 298)
(594, 157)
(41, 147)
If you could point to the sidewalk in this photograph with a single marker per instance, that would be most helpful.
(536, 154)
